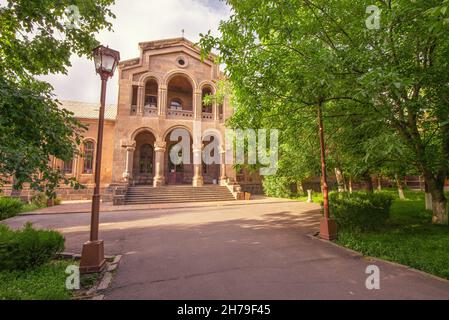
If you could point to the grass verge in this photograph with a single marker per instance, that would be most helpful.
(409, 238)
(47, 282)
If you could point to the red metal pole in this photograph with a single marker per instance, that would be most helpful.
(95, 219)
(328, 226)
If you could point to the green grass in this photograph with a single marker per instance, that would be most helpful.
(30, 207)
(43, 283)
(410, 238)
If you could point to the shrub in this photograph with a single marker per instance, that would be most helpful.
(39, 200)
(28, 248)
(277, 187)
(360, 211)
(10, 207)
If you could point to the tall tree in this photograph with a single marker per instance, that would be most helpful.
(37, 38)
(390, 63)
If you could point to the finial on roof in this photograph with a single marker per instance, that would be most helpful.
(183, 32)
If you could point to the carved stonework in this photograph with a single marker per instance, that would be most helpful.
(160, 146)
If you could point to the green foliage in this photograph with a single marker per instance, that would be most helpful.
(35, 40)
(360, 211)
(46, 282)
(277, 187)
(28, 248)
(39, 200)
(384, 92)
(9, 208)
(409, 238)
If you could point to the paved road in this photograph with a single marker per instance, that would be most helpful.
(261, 250)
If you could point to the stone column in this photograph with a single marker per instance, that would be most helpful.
(128, 174)
(159, 149)
(140, 100)
(223, 177)
(197, 105)
(216, 111)
(162, 103)
(198, 180)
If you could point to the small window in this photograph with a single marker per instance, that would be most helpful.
(89, 150)
(176, 104)
(135, 95)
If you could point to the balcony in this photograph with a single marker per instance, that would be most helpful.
(180, 114)
(207, 116)
(150, 110)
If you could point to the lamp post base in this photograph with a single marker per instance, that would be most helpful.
(328, 229)
(92, 258)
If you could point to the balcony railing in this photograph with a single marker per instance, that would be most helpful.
(150, 111)
(184, 114)
(207, 116)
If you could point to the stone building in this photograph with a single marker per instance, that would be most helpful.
(160, 92)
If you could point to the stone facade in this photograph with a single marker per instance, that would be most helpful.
(159, 92)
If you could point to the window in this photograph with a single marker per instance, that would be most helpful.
(89, 150)
(151, 101)
(135, 95)
(68, 167)
(176, 104)
(207, 107)
(146, 159)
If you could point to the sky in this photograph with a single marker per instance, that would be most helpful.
(138, 21)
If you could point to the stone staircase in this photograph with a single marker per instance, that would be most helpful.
(177, 194)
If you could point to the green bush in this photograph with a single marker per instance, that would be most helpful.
(39, 200)
(28, 248)
(360, 211)
(10, 207)
(277, 187)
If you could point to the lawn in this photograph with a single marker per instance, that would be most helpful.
(409, 238)
(43, 283)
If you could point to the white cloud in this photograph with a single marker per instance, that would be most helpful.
(138, 21)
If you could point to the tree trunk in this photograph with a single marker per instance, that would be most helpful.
(439, 208)
(400, 185)
(340, 179)
(439, 201)
(350, 184)
(428, 197)
(300, 188)
(379, 182)
(369, 187)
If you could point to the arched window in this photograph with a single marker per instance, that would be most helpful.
(151, 93)
(176, 104)
(207, 107)
(88, 153)
(146, 159)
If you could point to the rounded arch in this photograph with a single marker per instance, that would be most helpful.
(179, 126)
(179, 72)
(208, 83)
(142, 130)
(212, 132)
(149, 76)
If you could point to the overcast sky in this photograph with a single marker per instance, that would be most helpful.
(138, 21)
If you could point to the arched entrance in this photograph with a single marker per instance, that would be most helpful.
(179, 170)
(211, 159)
(144, 159)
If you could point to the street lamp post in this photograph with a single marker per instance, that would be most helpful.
(328, 226)
(92, 257)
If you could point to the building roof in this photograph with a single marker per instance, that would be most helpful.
(85, 110)
(165, 43)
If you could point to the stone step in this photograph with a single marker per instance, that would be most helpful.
(177, 194)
